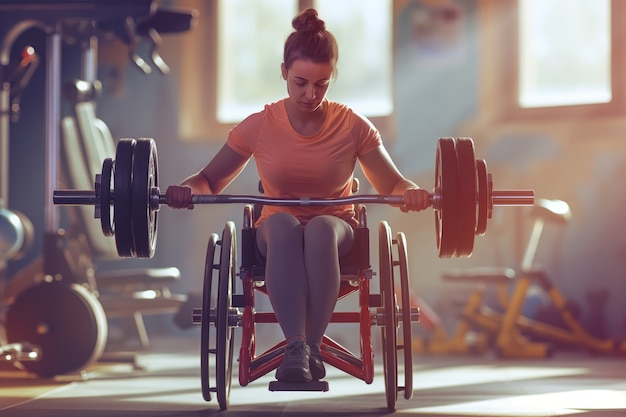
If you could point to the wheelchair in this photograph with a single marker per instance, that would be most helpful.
(223, 310)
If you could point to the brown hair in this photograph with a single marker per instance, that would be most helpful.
(310, 41)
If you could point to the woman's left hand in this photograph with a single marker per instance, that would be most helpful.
(415, 199)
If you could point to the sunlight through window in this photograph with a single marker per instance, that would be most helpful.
(251, 36)
(250, 50)
(363, 29)
(565, 52)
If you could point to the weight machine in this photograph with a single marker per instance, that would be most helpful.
(63, 305)
(16, 229)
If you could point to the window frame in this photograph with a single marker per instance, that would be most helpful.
(198, 112)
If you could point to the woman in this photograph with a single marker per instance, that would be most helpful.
(304, 146)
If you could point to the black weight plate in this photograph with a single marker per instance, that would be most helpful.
(65, 321)
(447, 186)
(105, 198)
(466, 207)
(483, 197)
(145, 178)
(122, 203)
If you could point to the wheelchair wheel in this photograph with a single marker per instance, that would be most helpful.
(390, 360)
(406, 315)
(225, 332)
(207, 320)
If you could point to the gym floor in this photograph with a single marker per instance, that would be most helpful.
(167, 380)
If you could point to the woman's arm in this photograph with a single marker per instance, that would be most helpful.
(212, 179)
(382, 173)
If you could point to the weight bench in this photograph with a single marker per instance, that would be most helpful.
(128, 293)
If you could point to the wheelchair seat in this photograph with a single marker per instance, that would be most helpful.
(351, 264)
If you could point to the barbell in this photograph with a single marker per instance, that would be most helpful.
(463, 197)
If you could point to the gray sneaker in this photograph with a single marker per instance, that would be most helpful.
(315, 363)
(295, 365)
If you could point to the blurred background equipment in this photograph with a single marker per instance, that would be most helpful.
(61, 303)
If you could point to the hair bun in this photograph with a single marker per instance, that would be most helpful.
(308, 21)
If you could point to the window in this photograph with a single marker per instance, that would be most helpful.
(250, 40)
(363, 29)
(564, 61)
(232, 60)
(552, 60)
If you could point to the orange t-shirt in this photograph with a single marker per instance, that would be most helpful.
(293, 166)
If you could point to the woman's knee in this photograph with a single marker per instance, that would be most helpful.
(328, 231)
(320, 229)
(280, 230)
(283, 223)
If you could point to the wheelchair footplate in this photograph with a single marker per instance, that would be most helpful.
(299, 386)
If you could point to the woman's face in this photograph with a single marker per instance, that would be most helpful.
(307, 83)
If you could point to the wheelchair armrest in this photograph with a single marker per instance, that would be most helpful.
(483, 275)
(140, 277)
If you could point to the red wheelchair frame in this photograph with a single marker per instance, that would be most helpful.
(224, 311)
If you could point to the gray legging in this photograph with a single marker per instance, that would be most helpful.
(302, 270)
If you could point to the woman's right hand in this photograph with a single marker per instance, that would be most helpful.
(179, 196)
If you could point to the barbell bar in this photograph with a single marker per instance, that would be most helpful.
(463, 197)
(88, 198)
